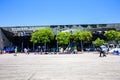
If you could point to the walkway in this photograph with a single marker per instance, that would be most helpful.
(59, 67)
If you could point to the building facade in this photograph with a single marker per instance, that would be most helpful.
(20, 35)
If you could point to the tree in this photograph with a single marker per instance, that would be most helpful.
(87, 35)
(98, 42)
(111, 35)
(82, 36)
(42, 36)
(63, 38)
(117, 37)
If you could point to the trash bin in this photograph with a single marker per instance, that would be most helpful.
(116, 52)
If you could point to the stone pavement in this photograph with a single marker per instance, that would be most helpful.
(59, 67)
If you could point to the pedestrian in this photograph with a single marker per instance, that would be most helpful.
(25, 50)
(103, 51)
(16, 50)
(28, 50)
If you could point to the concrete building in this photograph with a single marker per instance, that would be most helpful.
(17, 35)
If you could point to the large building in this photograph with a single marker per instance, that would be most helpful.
(20, 35)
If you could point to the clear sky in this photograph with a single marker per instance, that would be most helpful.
(55, 12)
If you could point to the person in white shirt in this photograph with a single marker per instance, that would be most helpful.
(103, 50)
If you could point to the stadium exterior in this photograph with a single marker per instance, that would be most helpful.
(20, 35)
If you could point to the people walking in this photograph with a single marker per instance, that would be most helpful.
(103, 51)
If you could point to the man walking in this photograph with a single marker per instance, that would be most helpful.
(103, 50)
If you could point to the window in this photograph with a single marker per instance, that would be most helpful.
(93, 26)
(84, 26)
(102, 25)
(53, 26)
(62, 26)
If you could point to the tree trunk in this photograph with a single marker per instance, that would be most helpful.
(45, 47)
(81, 47)
(57, 47)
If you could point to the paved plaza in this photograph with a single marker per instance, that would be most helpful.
(87, 66)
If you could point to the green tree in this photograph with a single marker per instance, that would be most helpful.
(82, 36)
(111, 35)
(118, 37)
(42, 36)
(87, 35)
(63, 38)
(98, 42)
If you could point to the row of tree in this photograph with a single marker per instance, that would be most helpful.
(45, 35)
(111, 35)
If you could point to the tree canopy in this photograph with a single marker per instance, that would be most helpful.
(118, 36)
(42, 36)
(98, 42)
(77, 36)
(82, 36)
(63, 38)
(87, 35)
(112, 35)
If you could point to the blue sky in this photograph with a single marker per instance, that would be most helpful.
(56, 12)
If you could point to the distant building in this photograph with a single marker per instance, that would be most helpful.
(16, 35)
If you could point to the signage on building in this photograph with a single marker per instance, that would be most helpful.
(17, 29)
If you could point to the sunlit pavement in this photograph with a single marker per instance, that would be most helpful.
(87, 66)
